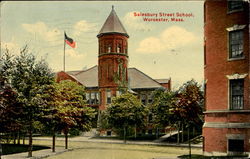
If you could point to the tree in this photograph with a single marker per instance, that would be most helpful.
(189, 105)
(70, 108)
(28, 77)
(125, 111)
(161, 108)
(10, 109)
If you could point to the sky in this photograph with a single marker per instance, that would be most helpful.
(160, 49)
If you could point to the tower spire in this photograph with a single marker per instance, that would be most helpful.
(113, 7)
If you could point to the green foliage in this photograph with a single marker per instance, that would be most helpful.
(71, 109)
(126, 111)
(161, 108)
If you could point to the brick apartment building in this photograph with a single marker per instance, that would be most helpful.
(112, 75)
(226, 129)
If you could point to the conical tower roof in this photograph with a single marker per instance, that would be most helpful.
(113, 25)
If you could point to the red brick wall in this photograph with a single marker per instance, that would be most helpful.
(108, 63)
(60, 76)
(167, 85)
(216, 139)
(217, 67)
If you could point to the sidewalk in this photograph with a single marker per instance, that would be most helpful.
(36, 154)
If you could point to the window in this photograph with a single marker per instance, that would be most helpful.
(236, 145)
(150, 98)
(109, 49)
(87, 98)
(236, 94)
(118, 93)
(108, 97)
(97, 98)
(119, 48)
(235, 5)
(143, 99)
(92, 97)
(236, 44)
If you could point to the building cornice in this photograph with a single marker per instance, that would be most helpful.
(226, 125)
(113, 53)
(226, 111)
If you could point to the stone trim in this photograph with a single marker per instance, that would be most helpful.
(236, 27)
(113, 53)
(236, 136)
(236, 76)
(226, 111)
(225, 125)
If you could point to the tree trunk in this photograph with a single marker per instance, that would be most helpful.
(124, 134)
(24, 139)
(157, 133)
(193, 131)
(66, 140)
(182, 134)
(1, 150)
(54, 143)
(178, 135)
(135, 132)
(30, 141)
(189, 143)
(14, 138)
(18, 138)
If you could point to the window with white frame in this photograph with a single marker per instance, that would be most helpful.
(236, 94)
(92, 98)
(236, 44)
(87, 98)
(108, 92)
(97, 98)
(235, 5)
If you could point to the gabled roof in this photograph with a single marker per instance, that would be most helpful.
(88, 78)
(113, 25)
(137, 79)
(73, 72)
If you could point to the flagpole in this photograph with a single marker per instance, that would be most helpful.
(64, 53)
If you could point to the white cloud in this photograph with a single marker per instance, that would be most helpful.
(151, 44)
(171, 38)
(73, 53)
(43, 31)
(135, 22)
(83, 26)
(73, 59)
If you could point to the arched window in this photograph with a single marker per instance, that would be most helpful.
(109, 48)
(119, 48)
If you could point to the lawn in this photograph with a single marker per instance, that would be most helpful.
(91, 150)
